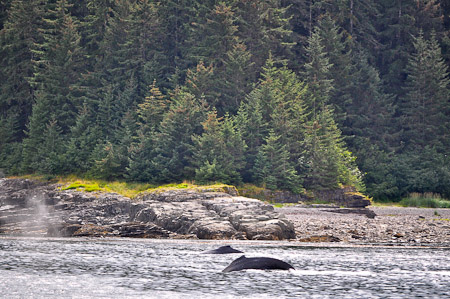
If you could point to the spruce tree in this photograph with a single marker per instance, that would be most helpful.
(150, 113)
(201, 82)
(108, 162)
(288, 113)
(237, 78)
(317, 73)
(421, 171)
(358, 18)
(401, 21)
(17, 38)
(337, 47)
(94, 28)
(109, 66)
(177, 17)
(326, 162)
(141, 53)
(106, 78)
(273, 168)
(370, 129)
(116, 125)
(276, 103)
(370, 112)
(218, 153)
(214, 42)
(10, 119)
(58, 61)
(425, 104)
(213, 35)
(250, 120)
(83, 139)
(58, 64)
(10, 148)
(51, 151)
(425, 115)
(264, 28)
(395, 30)
(173, 142)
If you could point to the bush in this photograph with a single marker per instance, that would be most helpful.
(425, 200)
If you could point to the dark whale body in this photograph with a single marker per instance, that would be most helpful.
(261, 263)
(223, 250)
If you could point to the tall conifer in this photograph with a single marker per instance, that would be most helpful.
(218, 153)
(265, 29)
(425, 104)
(57, 64)
(326, 162)
(17, 38)
(273, 168)
(150, 113)
(173, 148)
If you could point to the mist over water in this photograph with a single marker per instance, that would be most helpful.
(136, 268)
(36, 202)
(36, 218)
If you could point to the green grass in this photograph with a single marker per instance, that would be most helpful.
(128, 189)
(282, 205)
(88, 187)
(386, 204)
(215, 187)
(131, 189)
(123, 188)
(425, 200)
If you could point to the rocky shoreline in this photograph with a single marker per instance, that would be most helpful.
(39, 209)
(31, 208)
(392, 226)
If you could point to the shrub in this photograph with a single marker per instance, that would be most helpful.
(425, 200)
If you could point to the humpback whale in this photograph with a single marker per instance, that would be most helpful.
(223, 250)
(261, 263)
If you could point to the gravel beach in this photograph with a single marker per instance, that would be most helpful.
(391, 225)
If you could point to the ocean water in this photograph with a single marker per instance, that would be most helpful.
(144, 268)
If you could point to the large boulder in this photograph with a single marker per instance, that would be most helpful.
(213, 215)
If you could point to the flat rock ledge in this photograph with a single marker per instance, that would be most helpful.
(33, 208)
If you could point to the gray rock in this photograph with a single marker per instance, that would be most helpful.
(43, 209)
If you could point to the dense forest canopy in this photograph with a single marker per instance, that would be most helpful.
(286, 94)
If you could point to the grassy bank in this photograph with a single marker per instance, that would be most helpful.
(131, 189)
(128, 189)
(425, 200)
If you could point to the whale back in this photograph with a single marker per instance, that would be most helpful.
(260, 263)
(223, 250)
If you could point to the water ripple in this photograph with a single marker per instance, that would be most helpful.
(130, 268)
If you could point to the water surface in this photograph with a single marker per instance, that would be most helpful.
(136, 268)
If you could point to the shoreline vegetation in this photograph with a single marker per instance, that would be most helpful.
(131, 189)
(124, 188)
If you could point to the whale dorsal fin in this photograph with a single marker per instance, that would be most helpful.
(238, 260)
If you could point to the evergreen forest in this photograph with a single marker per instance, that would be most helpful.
(296, 95)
